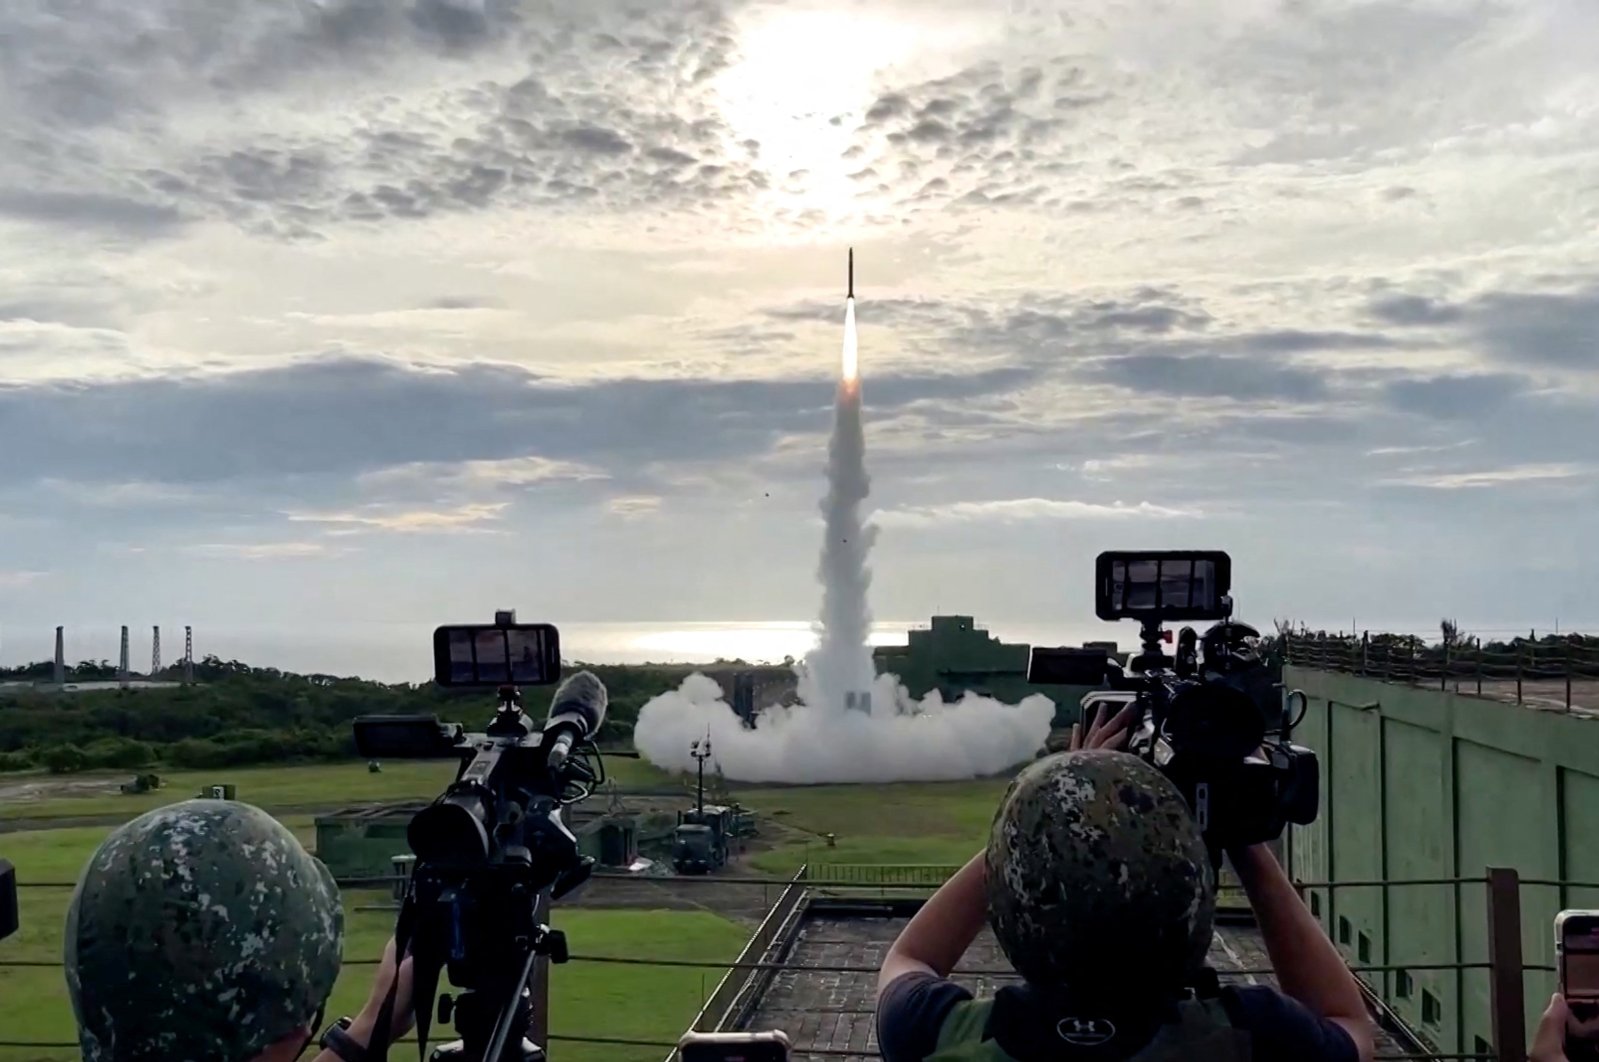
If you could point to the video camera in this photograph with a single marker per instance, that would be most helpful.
(491, 851)
(1215, 721)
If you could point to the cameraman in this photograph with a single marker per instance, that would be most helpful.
(1099, 889)
(203, 930)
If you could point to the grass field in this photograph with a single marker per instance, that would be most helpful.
(906, 823)
(932, 822)
(328, 785)
(636, 1002)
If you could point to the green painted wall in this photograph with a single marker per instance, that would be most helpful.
(352, 848)
(953, 654)
(1423, 783)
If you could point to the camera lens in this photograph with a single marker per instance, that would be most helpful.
(450, 831)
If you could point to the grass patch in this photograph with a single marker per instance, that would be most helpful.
(329, 785)
(638, 1002)
(942, 823)
(933, 822)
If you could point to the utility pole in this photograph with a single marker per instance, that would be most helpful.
(701, 751)
(61, 658)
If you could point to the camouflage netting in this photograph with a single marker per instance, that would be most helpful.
(199, 931)
(1097, 876)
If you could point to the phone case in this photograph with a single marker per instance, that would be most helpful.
(770, 1046)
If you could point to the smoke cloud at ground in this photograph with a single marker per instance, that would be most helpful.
(823, 739)
(968, 738)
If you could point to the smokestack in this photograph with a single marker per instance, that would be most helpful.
(122, 666)
(155, 652)
(188, 654)
(61, 658)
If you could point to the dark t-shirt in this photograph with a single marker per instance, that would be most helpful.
(913, 1009)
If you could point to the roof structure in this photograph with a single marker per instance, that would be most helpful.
(832, 1013)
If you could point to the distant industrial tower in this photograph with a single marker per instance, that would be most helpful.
(188, 654)
(155, 653)
(61, 658)
(122, 667)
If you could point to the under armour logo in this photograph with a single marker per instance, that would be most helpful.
(1085, 1032)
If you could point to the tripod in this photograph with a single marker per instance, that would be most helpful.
(492, 1031)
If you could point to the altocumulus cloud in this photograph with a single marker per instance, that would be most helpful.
(353, 111)
(1013, 510)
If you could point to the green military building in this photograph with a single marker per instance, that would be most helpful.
(952, 655)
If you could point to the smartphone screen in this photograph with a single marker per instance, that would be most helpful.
(1578, 938)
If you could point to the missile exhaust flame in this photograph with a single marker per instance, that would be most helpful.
(850, 367)
(852, 724)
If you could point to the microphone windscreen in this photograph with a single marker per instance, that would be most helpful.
(580, 699)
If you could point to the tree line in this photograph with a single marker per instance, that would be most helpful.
(235, 714)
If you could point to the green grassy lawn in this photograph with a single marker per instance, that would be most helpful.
(636, 1002)
(330, 784)
(943, 823)
(932, 822)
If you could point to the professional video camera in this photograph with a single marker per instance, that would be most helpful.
(491, 851)
(1216, 725)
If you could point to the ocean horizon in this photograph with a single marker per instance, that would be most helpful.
(402, 652)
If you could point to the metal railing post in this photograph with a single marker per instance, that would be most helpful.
(1507, 992)
(1571, 665)
(539, 1027)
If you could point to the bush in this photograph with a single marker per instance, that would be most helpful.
(21, 760)
(118, 752)
(63, 759)
(195, 752)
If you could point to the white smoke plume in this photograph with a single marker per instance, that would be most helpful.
(825, 738)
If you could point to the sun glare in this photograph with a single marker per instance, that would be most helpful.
(797, 71)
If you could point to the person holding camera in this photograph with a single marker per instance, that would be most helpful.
(1100, 891)
(204, 930)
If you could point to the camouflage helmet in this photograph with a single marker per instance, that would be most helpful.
(201, 930)
(1098, 879)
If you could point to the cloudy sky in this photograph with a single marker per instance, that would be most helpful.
(326, 315)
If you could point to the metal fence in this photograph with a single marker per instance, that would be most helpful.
(924, 875)
(765, 954)
(741, 986)
(1553, 672)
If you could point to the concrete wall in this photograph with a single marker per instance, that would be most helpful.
(1419, 783)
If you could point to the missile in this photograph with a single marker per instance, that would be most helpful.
(850, 291)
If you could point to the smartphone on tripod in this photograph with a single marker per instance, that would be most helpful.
(1577, 959)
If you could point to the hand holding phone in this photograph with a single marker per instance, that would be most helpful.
(1577, 957)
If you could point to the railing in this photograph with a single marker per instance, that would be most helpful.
(1561, 664)
(924, 875)
(1503, 964)
(765, 954)
(741, 985)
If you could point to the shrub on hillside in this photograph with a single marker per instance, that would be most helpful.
(118, 752)
(21, 760)
(63, 759)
